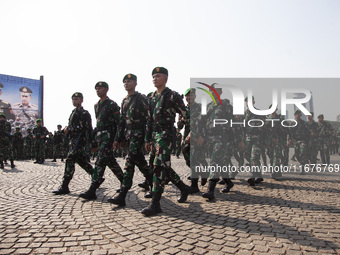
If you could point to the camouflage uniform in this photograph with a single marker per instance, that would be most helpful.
(107, 115)
(5, 137)
(28, 145)
(39, 143)
(324, 132)
(254, 144)
(132, 130)
(58, 144)
(17, 145)
(300, 135)
(163, 108)
(278, 135)
(312, 149)
(220, 144)
(178, 143)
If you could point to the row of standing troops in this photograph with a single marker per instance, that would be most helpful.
(141, 121)
(249, 142)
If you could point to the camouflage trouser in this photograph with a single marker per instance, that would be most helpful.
(278, 157)
(105, 158)
(197, 158)
(221, 153)
(186, 153)
(39, 147)
(135, 157)
(5, 149)
(178, 147)
(323, 146)
(162, 167)
(253, 154)
(78, 156)
(312, 152)
(28, 151)
(301, 152)
(58, 151)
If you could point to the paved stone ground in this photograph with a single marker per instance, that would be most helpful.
(299, 215)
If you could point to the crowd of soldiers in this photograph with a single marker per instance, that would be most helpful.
(146, 124)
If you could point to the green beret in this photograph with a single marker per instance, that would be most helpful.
(297, 112)
(246, 99)
(3, 115)
(38, 120)
(1, 86)
(190, 90)
(28, 129)
(101, 84)
(25, 89)
(321, 116)
(17, 127)
(59, 125)
(78, 94)
(130, 76)
(159, 69)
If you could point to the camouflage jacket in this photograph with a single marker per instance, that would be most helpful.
(194, 112)
(5, 130)
(28, 140)
(313, 129)
(224, 111)
(324, 130)
(275, 129)
(40, 131)
(17, 138)
(133, 117)
(58, 137)
(300, 132)
(163, 109)
(79, 126)
(107, 115)
(254, 130)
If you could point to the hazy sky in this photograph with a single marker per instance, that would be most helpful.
(74, 44)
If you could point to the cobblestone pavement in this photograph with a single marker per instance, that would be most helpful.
(298, 215)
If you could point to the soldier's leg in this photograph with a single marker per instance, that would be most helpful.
(255, 161)
(327, 152)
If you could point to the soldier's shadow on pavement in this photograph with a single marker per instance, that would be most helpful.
(196, 214)
(12, 170)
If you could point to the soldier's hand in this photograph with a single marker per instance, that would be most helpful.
(187, 139)
(42, 136)
(116, 145)
(66, 130)
(147, 147)
(94, 149)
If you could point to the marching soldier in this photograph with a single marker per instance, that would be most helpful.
(58, 140)
(312, 149)
(299, 136)
(25, 110)
(253, 150)
(5, 141)
(39, 136)
(324, 132)
(131, 133)
(79, 131)
(107, 115)
(17, 144)
(28, 144)
(164, 104)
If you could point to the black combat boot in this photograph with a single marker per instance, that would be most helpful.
(204, 181)
(150, 183)
(54, 160)
(63, 189)
(144, 184)
(2, 164)
(228, 186)
(154, 207)
(185, 191)
(251, 181)
(211, 188)
(120, 199)
(12, 163)
(194, 186)
(222, 182)
(91, 193)
(258, 180)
